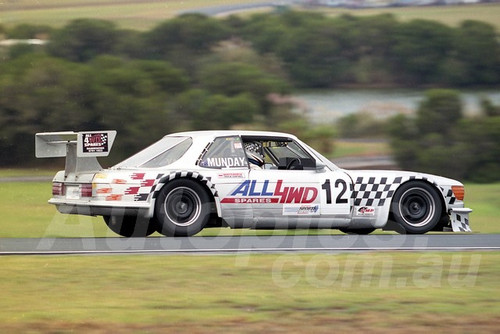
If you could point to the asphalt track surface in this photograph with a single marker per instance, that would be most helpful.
(251, 244)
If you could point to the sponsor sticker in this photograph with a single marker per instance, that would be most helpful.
(227, 162)
(95, 142)
(301, 210)
(230, 175)
(366, 211)
(252, 191)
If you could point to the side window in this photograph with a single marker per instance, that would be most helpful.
(289, 155)
(225, 152)
(276, 153)
(289, 150)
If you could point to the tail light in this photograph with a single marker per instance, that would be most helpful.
(86, 190)
(459, 192)
(57, 189)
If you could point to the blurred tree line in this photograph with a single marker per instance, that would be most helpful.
(439, 139)
(196, 72)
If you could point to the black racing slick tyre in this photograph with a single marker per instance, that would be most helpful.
(130, 226)
(182, 208)
(417, 207)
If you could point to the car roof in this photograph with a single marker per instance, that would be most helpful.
(220, 133)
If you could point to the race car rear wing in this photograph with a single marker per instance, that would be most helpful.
(81, 149)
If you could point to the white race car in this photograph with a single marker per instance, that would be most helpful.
(242, 179)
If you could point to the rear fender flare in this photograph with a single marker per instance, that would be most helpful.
(204, 181)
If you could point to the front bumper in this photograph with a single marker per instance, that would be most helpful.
(460, 219)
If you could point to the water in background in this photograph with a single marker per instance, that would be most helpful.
(328, 105)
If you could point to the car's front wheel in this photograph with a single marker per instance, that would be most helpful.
(416, 207)
(182, 208)
(130, 226)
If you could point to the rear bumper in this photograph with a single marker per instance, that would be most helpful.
(90, 209)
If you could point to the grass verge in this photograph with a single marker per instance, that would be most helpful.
(449, 15)
(139, 15)
(143, 15)
(376, 292)
(361, 148)
(25, 172)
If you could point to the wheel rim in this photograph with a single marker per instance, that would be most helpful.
(417, 207)
(182, 206)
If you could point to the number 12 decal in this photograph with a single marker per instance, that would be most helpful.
(339, 183)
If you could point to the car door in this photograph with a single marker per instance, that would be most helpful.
(336, 195)
(225, 164)
(299, 198)
(293, 190)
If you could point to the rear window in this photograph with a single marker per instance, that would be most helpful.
(162, 153)
(169, 156)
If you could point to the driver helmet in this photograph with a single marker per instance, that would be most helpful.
(255, 159)
(253, 155)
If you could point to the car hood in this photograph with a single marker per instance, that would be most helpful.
(440, 180)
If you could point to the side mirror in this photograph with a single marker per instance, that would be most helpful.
(320, 167)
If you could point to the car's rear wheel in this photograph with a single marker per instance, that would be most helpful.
(416, 207)
(357, 230)
(182, 208)
(130, 226)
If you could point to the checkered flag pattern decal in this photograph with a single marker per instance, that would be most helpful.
(377, 190)
(450, 197)
(460, 222)
(374, 191)
(155, 190)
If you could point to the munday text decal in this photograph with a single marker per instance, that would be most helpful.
(250, 191)
(225, 162)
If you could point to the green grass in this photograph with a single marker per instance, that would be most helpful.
(449, 15)
(346, 148)
(484, 199)
(26, 214)
(23, 172)
(143, 15)
(401, 293)
(246, 293)
(140, 15)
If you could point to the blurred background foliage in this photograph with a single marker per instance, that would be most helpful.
(439, 139)
(195, 72)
